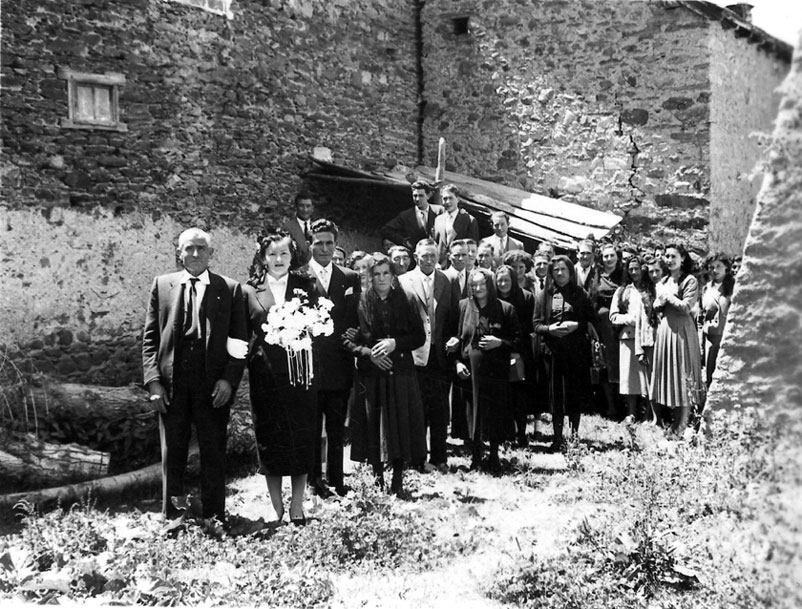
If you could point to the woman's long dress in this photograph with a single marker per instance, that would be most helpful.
(490, 412)
(284, 415)
(570, 360)
(677, 371)
(387, 422)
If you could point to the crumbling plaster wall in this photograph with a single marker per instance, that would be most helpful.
(604, 103)
(742, 111)
(221, 115)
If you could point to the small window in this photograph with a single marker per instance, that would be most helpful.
(93, 100)
(460, 25)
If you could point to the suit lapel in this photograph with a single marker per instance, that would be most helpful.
(211, 303)
(176, 309)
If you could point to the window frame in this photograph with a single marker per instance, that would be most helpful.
(110, 80)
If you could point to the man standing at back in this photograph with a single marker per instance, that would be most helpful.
(454, 224)
(436, 300)
(500, 239)
(299, 226)
(335, 368)
(415, 223)
(193, 356)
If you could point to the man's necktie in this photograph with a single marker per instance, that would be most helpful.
(462, 281)
(191, 321)
(542, 283)
(422, 219)
(307, 234)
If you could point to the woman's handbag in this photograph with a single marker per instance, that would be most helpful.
(517, 370)
(598, 355)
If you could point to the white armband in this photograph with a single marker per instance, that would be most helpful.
(236, 348)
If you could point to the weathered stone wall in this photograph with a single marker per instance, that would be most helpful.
(75, 287)
(220, 117)
(220, 113)
(742, 110)
(602, 103)
(760, 364)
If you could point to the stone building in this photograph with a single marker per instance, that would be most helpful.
(124, 121)
(655, 109)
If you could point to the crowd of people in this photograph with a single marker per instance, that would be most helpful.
(442, 334)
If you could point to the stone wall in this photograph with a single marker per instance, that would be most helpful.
(760, 365)
(742, 110)
(602, 103)
(220, 115)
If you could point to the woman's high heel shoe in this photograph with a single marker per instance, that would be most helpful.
(299, 522)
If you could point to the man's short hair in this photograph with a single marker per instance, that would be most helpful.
(488, 245)
(458, 243)
(399, 248)
(302, 196)
(191, 233)
(452, 188)
(500, 214)
(322, 225)
(421, 185)
(426, 241)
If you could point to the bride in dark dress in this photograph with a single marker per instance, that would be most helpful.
(283, 413)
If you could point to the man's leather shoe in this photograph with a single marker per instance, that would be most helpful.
(320, 489)
(342, 489)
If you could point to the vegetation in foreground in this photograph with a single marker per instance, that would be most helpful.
(710, 522)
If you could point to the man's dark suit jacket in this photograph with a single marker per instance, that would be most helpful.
(224, 315)
(465, 227)
(335, 368)
(405, 230)
(297, 234)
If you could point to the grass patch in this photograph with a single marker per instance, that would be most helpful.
(702, 523)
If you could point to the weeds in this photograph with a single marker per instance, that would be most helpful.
(82, 553)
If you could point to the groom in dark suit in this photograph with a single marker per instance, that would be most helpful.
(193, 355)
(335, 368)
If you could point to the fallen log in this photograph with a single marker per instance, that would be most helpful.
(35, 401)
(23, 458)
(101, 488)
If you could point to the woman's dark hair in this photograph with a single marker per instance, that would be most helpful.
(515, 256)
(567, 261)
(728, 283)
(258, 268)
(397, 311)
(645, 284)
(687, 262)
(651, 259)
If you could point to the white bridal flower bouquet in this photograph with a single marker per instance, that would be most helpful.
(292, 326)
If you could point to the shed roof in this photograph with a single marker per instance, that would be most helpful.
(531, 215)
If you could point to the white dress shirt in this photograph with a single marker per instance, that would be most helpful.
(323, 273)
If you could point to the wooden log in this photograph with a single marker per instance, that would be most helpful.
(25, 458)
(101, 488)
(110, 402)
